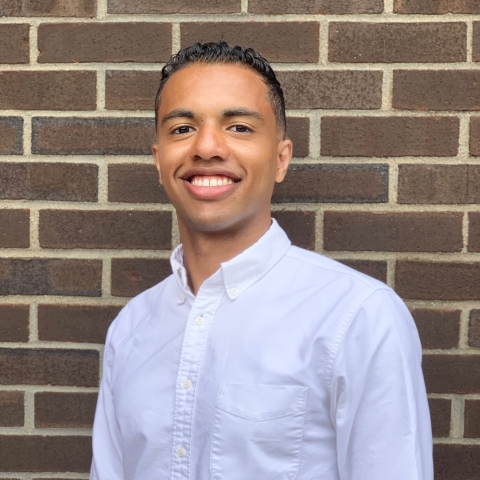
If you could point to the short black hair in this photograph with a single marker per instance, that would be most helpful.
(222, 53)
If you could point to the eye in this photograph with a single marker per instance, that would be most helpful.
(240, 129)
(182, 130)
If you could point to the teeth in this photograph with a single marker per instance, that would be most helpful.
(212, 182)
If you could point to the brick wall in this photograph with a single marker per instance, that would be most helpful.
(382, 100)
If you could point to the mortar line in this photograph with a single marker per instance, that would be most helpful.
(33, 323)
(469, 40)
(34, 229)
(175, 231)
(388, 7)
(29, 411)
(319, 230)
(314, 146)
(244, 6)
(102, 9)
(387, 89)
(106, 277)
(465, 232)
(463, 334)
(101, 80)
(393, 184)
(102, 185)
(391, 266)
(323, 43)
(33, 43)
(27, 135)
(457, 416)
(176, 38)
(463, 138)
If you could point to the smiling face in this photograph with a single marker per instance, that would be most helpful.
(218, 150)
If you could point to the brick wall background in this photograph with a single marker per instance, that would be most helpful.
(382, 100)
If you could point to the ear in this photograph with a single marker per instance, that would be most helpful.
(156, 157)
(284, 154)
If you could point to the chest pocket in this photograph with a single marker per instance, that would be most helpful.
(258, 432)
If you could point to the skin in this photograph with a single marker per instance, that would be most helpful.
(216, 122)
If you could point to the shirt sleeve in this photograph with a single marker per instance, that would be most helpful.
(378, 399)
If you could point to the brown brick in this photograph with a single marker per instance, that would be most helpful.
(11, 134)
(35, 453)
(41, 366)
(432, 7)
(48, 90)
(440, 413)
(298, 131)
(472, 419)
(173, 6)
(299, 226)
(50, 277)
(64, 410)
(437, 328)
(476, 42)
(452, 373)
(327, 183)
(474, 329)
(14, 41)
(104, 42)
(373, 268)
(11, 409)
(332, 89)
(131, 276)
(474, 232)
(14, 324)
(49, 181)
(51, 8)
(14, 228)
(324, 7)
(459, 462)
(105, 229)
(393, 232)
(475, 136)
(397, 42)
(438, 280)
(390, 136)
(92, 136)
(75, 323)
(289, 42)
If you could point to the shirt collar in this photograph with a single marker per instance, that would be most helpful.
(245, 269)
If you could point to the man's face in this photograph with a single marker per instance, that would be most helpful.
(219, 151)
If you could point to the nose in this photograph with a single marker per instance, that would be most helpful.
(209, 144)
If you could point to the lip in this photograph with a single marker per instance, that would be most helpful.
(212, 171)
(210, 193)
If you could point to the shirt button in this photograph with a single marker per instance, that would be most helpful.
(186, 384)
(181, 452)
(234, 291)
(199, 320)
(181, 298)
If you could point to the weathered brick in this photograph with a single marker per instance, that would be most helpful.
(390, 136)
(104, 42)
(14, 41)
(393, 232)
(476, 42)
(11, 134)
(35, 453)
(390, 42)
(437, 328)
(298, 131)
(474, 232)
(472, 419)
(131, 276)
(64, 410)
(289, 42)
(438, 280)
(14, 228)
(452, 373)
(49, 181)
(440, 413)
(299, 226)
(432, 7)
(51, 8)
(75, 323)
(30, 90)
(346, 89)
(105, 229)
(374, 268)
(14, 324)
(459, 462)
(173, 6)
(92, 136)
(324, 7)
(475, 136)
(333, 183)
(11, 409)
(41, 366)
(474, 329)
(50, 277)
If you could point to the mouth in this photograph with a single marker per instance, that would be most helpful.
(210, 185)
(211, 180)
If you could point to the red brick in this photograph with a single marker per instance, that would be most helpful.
(393, 232)
(92, 136)
(476, 42)
(474, 329)
(433, 7)
(323, 7)
(474, 232)
(11, 134)
(452, 373)
(30, 90)
(289, 42)
(51, 8)
(75, 323)
(131, 276)
(298, 130)
(41, 366)
(437, 328)
(49, 181)
(14, 324)
(14, 43)
(373, 268)
(390, 42)
(326, 183)
(35, 453)
(299, 226)
(475, 136)
(472, 419)
(436, 90)
(438, 280)
(11, 409)
(389, 136)
(440, 413)
(64, 410)
(14, 228)
(51, 276)
(172, 6)
(458, 462)
(104, 42)
(105, 229)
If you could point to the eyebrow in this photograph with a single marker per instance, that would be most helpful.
(177, 113)
(242, 112)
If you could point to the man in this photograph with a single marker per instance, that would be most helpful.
(255, 360)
